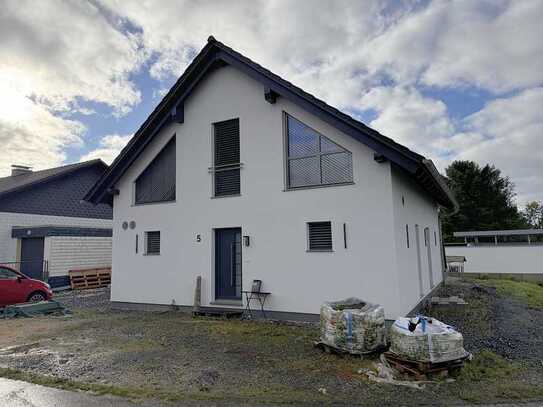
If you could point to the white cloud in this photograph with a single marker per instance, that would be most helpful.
(54, 56)
(110, 146)
(419, 123)
(493, 45)
(371, 54)
(510, 130)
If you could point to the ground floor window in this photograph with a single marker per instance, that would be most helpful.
(319, 236)
(152, 242)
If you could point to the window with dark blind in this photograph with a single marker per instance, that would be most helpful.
(226, 158)
(319, 236)
(313, 159)
(157, 182)
(152, 242)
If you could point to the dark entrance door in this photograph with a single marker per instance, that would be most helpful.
(228, 263)
(32, 257)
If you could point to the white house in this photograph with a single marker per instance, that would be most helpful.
(239, 175)
(45, 228)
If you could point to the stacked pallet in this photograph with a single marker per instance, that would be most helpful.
(425, 370)
(90, 278)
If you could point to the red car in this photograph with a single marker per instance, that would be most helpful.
(15, 288)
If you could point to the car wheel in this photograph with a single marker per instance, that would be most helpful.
(36, 297)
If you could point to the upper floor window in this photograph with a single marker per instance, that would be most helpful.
(157, 182)
(313, 159)
(226, 156)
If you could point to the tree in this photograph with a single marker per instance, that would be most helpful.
(485, 199)
(533, 214)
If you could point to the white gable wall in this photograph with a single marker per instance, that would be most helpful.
(274, 219)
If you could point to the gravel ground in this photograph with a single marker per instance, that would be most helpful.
(500, 324)
(204, 358)
(97, 299)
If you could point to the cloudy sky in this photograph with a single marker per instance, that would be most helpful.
(449, 79)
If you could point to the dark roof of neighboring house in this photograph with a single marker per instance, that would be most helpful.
(214, 55)
(56, 191)
(16, 183)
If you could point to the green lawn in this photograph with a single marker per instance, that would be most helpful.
(529, 293)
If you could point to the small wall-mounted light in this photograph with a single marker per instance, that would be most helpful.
(246, 241)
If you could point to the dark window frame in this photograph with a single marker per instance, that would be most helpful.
(153, 252)
(312, 245)
(137, 202)
(407, 234)
(320, 154)
(225, 168)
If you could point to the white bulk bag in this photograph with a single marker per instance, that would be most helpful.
(431, 341)
(353, 325)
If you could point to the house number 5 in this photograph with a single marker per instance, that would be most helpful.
(198, 238)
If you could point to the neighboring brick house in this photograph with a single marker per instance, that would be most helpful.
(45, 227)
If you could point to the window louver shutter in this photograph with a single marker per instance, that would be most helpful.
(320, 235)
(157, 182)
(153, 242)
(227, 158)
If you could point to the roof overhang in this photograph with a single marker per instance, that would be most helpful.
(21, 232)
(490, 233)
(215, 55)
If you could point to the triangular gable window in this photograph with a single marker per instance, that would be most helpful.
(157, 182)
(313, 159)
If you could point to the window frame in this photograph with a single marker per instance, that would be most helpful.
(213, 169)
(134, 183)
(146, 246)
(309, 249)
(287, 158)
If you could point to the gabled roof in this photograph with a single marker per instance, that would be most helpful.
(215, 55)
(17, 183)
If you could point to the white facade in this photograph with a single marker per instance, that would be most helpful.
(375, 266)
(8, 245)
(420, 266)
(501, 258)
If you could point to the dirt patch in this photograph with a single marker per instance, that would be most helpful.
(172, 356)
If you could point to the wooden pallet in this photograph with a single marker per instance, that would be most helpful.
(217, 312)
(343, 352)
(422, 370)
(90, 278)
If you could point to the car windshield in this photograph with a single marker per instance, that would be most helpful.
(7, 274)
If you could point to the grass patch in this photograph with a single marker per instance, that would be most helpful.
(529, 293)
(275, 394)
(260, 330)
(487, 365)
(490, 377)
(72, 385)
